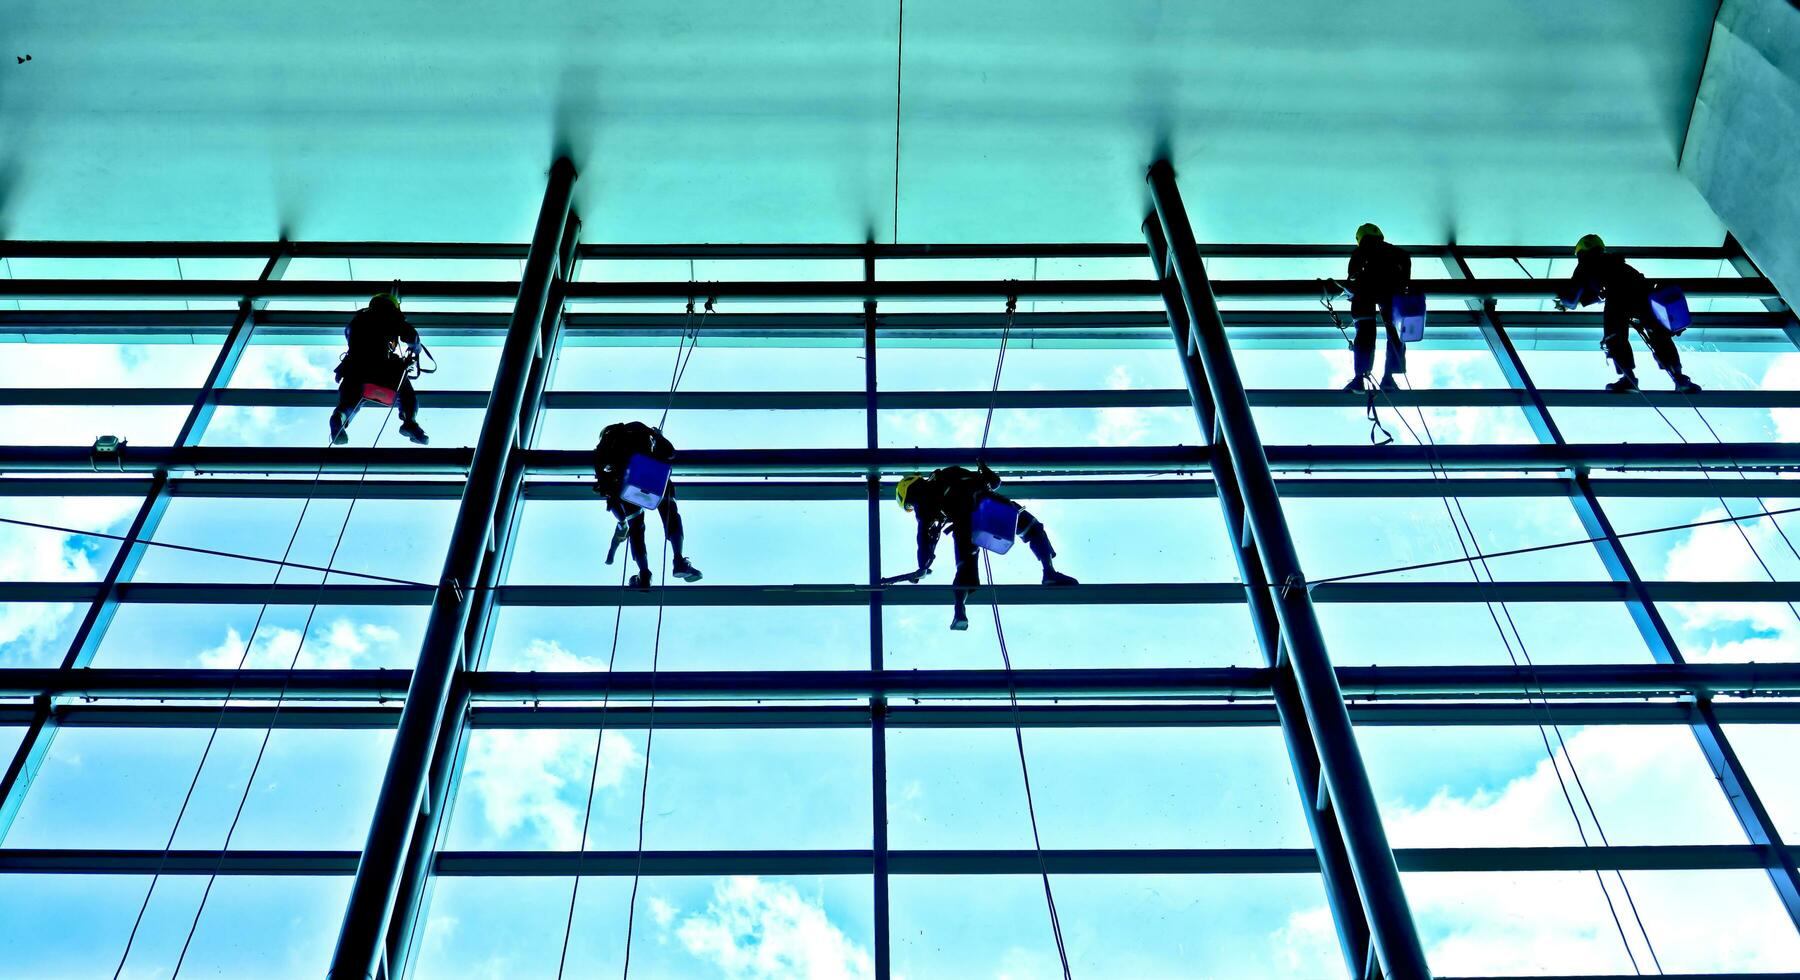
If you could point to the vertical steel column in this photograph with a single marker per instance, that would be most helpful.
(1734, 781)
(877, 704)
(372, 895)
(446, 758)
(1334, 860)
(41, 733)
(1393, 934)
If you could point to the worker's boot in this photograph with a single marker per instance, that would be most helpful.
(685, 570)
(410, 429)
(1054, 577)
(340, 429)
(1361, 382)
(640, 581)
(1683, 383)
(1627, 383)
(959, 620)
(1389, 384)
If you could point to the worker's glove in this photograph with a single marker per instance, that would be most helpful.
(1562, 305)
(415, 348)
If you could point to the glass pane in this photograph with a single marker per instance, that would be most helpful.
(1173, 635)
(1349, 536)
(1114, 926)
(216, 636)
(693, 638)
(111, 787)
(744, 926)
(37, 634)
(1434, 633)
(1559, 922)
(567, 428)
(36, 554)
(1095, 540)
(403, 539)
(722, 365)
(1495, 787)
(80, 425)
(57, 365)
(524, 789)
(961, 427)
(910, 366)
(1103, 788)
(77, 925)
(1768, 752)
(733, 542)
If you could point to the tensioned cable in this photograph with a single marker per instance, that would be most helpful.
(1754, 553)
(274, 717)
(301, 566)
(1531, 666)
(212, 737)
(1012, 691)
(637, 872)
(587, 815)
(1731, 518)
(684, 353)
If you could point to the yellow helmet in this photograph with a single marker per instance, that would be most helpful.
(387, 299)
(1589, 242)
(1366, 229)
(905, 487)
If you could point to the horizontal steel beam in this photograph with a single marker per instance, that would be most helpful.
(755, 291)
(806, 716)
(794, 490)
(1037, 399)
(1612, 680)
(844, 594)
(776, 250)
(1147, 861)
(1047, 460)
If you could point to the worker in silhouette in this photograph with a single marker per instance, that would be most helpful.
(374, 368)
(948, 498)
(1603, 277)
(1378, 271)
(628, 487)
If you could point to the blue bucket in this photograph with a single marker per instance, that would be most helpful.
(994, 524)
(1409, 316)
(646, 480)
(1669, 304)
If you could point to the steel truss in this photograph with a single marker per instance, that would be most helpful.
(433, 707)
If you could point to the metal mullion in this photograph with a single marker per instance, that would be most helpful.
(1734, 781)
(368, 913)
(1337, 875)
(22, 770)
(1394, 935)
(445, 774)
(878, 704)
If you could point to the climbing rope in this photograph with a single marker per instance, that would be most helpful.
(587, 814)
(684, 354)
(1453, 508)
(1378, 433)
(1012, 691)
(224, 704)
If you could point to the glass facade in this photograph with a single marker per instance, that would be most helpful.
(1564, 623)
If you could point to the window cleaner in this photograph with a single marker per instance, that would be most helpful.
(632, 463)
(964, 501)
(374, 369)
(1602, 277)
(1380, 281)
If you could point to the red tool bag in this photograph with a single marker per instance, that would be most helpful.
(378, 394)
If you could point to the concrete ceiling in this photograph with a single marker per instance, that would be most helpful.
(1494, 121)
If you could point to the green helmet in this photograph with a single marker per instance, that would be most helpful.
(384, 299)
(1589, 242)
(1366, 229)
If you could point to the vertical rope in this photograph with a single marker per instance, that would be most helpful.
(1037, 844)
